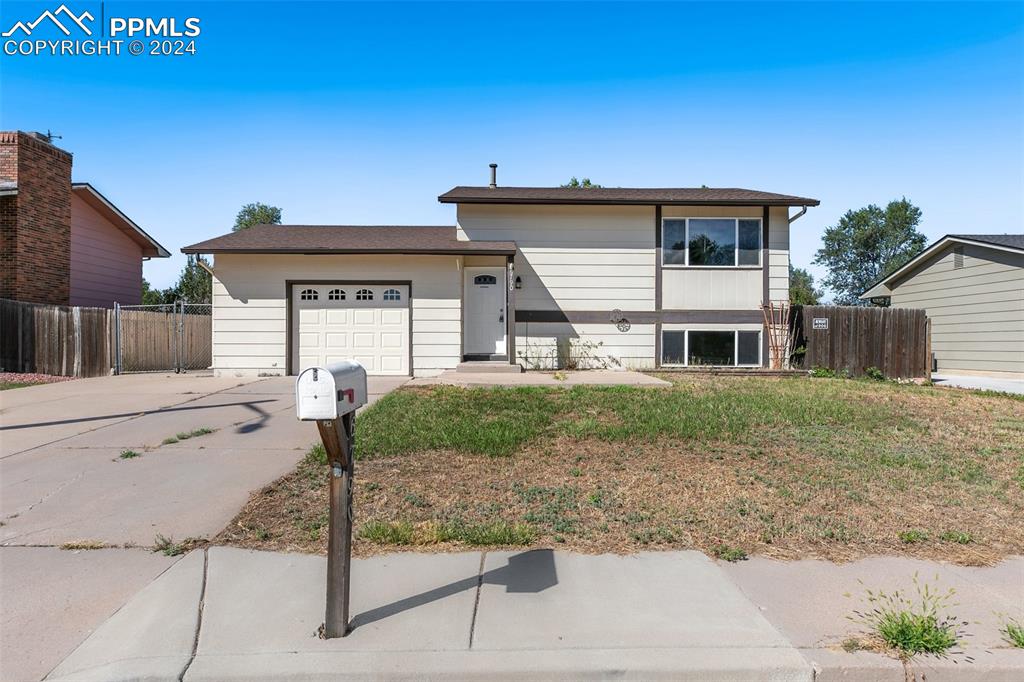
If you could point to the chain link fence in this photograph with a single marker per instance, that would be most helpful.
(171, 336)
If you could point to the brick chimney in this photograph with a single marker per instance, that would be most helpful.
(35, 219)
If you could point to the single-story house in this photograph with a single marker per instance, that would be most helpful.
(972, 287)
(542, 277)
(62, 242)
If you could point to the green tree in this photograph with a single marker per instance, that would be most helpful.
(256, 214)
(195, 285)
(866, 244)
(585, 183)
(151, 296)
(801, 287)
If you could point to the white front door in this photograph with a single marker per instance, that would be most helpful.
(364, 322)
(485, 312)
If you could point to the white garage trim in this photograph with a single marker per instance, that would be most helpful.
(291, 317)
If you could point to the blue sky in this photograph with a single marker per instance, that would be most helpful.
(364, 113)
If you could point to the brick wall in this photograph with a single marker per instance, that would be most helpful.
(35, 242)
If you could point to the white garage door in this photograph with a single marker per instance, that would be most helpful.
(365, 322)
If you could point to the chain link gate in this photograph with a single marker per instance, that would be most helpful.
(157, 338)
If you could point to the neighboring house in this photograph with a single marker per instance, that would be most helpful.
(539, 276)
(63, 243)
(972, 287)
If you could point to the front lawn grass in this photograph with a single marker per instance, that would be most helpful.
(784, 467)
(8, 385)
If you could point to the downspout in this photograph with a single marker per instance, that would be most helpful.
(803, 209)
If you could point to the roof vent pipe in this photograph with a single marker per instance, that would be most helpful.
(494, 175)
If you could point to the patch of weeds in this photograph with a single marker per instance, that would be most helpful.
(912, 536)
(387, 532)
(600, 499)
(416, 500)
(559, 376)
(576, 471)
(129, 454)
(852, 645)
(823, 373)
(912, 625)
(1014, 634)
(727, 553)
(185, 435)
(659, 535)
(83, 544)
(959, 537)
(372, 485)
(169, 547)
(316, 455)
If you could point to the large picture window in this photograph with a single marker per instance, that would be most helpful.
(711, 242)
(712, 348)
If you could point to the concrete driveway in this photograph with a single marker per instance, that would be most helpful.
(980, 383)
(63, 480)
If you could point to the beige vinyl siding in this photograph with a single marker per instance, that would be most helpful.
(778, 253)
(539, 345)
(250, 306)
(573, 257)
(976, 312)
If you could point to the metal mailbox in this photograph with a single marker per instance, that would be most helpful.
(330, 396)
(330, 392)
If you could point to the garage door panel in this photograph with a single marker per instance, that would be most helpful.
(374, 332)
(338, 316)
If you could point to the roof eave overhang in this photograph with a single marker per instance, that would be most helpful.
(196, 249)
(620, 202)
(887, 281)
(150, 247)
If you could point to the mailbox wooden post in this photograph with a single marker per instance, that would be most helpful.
(330, 396)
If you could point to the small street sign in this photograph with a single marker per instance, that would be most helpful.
(820, 323)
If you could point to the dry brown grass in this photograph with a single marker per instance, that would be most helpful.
(947, 465)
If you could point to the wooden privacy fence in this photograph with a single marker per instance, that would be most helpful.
(57, 340)
(90, 342)
(897, 341)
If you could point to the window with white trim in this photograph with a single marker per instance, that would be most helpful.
(309, 295)
(711, 348)
(392, 295)
(336, 295)
(711, 242)
(364, 295)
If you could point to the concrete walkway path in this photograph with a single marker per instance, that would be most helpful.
(593, 377)
(980, 383)
(63, 480)
(225, 613)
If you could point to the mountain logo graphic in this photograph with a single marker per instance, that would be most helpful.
(78, 20)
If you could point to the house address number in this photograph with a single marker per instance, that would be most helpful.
(820, 323)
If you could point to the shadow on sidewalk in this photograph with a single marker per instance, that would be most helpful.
(526, 572)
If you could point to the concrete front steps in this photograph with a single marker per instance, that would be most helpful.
(488, 367)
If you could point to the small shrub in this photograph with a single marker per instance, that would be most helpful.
(129, 454)
(912, 626)
(959, 537)
(823, 373)
(912, 536)
(727, 553)
(1014, 633)
(874, 374)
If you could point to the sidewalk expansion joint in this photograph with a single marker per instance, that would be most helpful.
(476, 600)
(199, 618)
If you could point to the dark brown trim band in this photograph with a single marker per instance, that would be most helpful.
(289, 283)
(657, 284)
(766, 284)
(642, 316)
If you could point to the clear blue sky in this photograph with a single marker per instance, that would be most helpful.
(364, 113)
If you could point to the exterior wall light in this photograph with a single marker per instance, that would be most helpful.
(519, 282)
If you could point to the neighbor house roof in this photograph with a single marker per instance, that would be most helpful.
(102, 205)
(692, 196)
(349, 239)
(1001, 242)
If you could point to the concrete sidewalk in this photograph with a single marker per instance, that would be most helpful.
(226, 613)
(591, 377)
(979, 383)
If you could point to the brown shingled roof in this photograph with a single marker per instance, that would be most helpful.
(349, 239)
(694, 196)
